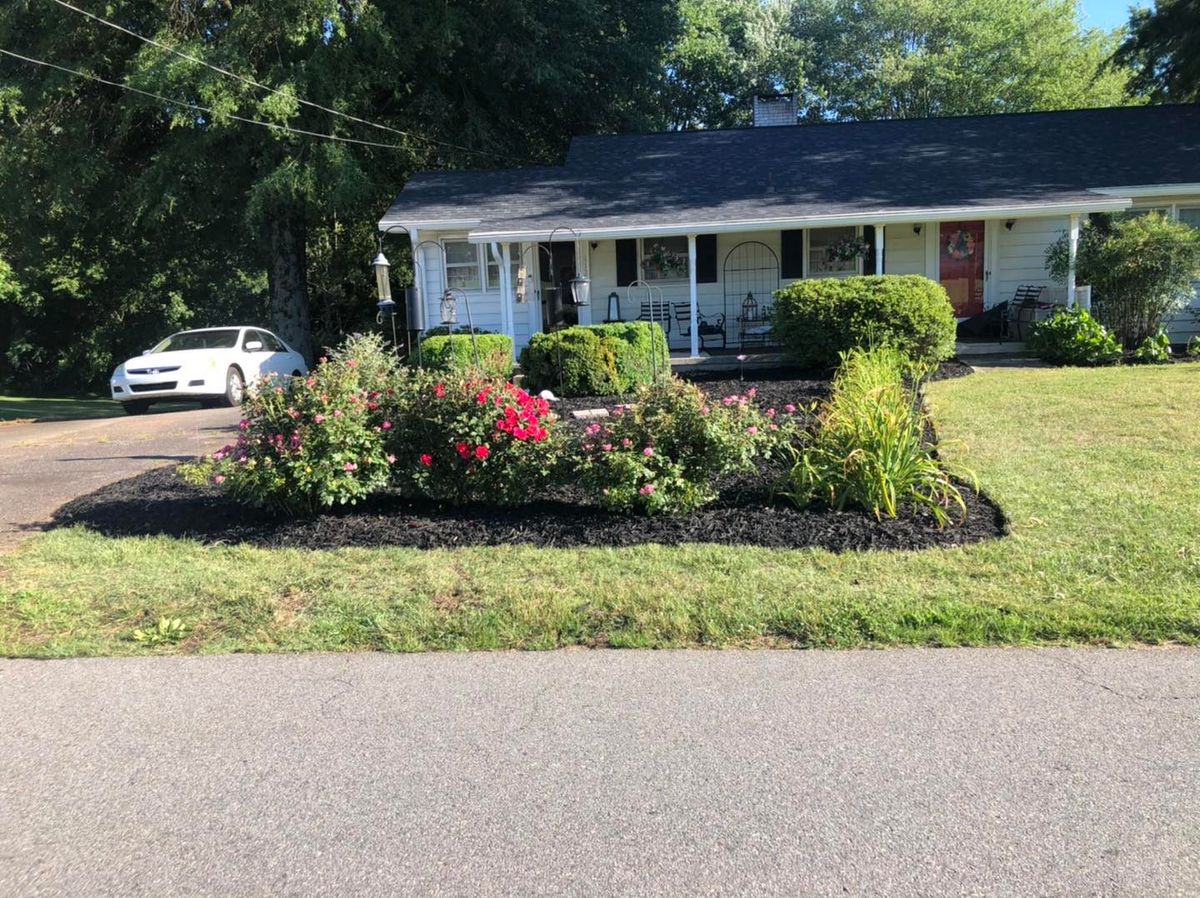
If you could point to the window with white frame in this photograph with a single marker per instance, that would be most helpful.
(665, 258)
(830, 251)
(493, 267)
(1190, 215)
(462, 265)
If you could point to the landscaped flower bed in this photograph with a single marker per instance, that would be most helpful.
(716, 457)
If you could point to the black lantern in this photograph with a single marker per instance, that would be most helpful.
(449, 309)
(581, 290)
(383, 283)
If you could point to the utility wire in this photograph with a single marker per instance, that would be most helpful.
(197, 106)
(256, 84)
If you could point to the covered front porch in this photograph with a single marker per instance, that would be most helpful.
(712, 293)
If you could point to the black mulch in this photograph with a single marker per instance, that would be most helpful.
(160, 503)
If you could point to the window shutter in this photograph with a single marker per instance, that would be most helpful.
(627, 262)
(791, 247)
(869, 255)
(706, 258)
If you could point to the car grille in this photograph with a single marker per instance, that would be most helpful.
(150, 388)
(166, 370)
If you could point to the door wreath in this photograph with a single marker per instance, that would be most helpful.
(961, 244)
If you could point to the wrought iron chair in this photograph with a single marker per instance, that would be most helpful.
(706, 327)
(1023, 310)
(655, 311)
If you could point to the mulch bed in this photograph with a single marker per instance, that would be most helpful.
(159, 502)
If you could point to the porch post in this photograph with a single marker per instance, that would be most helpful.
(507, 312)
(414, 238)
(1073, 245)
(879, 249)
(694, 320)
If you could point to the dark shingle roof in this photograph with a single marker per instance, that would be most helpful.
(820, 170)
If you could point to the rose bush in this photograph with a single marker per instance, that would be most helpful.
(459, 438)
(666, 451)
(311, 442)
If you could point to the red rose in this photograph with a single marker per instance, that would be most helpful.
(482, 452)
(462, 449)
(427, 460)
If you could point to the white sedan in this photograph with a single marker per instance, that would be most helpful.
(213, 364)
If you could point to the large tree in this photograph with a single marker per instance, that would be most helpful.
(872, 59)
(118, 204)
(1162, 48)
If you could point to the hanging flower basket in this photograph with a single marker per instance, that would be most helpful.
(847, 249)
(961, 245)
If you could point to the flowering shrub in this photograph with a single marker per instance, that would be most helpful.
(665, 452)
(458, 438)
(312, 442)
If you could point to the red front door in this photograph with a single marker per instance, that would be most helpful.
(961, 255)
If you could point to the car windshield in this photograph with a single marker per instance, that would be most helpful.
(225, 338)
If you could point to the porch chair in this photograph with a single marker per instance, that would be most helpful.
(1023, 310)
(657, 311)
(705, 327)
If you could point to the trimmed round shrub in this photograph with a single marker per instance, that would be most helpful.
(444, 353)
(1073, 337)
(595, 359)
(818, 320)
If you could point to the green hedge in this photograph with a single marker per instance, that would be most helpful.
(596, 359)
(816, 320)
(495, 353)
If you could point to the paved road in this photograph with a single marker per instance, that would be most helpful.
(897, 773)
(44, 465)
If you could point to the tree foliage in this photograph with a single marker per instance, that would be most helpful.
(1140, 267)
(872, 59)
(1162, 48)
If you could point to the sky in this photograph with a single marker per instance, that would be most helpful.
(1107, 14)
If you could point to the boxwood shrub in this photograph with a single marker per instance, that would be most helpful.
(817, 320)
(595, 359)
(444, 352)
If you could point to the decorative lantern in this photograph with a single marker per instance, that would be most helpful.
(581, 290)
(449, 308)
(614, 306)
(382, 281)
(522, 279)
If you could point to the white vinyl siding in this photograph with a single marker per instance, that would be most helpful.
(1018, 257)
(903, 250)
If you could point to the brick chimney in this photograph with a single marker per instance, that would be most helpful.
(773, 110)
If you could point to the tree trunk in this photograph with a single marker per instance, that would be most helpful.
(288, 275)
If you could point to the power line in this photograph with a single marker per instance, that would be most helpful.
(197, 106)
(256, 84)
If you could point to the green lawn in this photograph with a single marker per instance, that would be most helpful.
(70, 408)
(1099, 471)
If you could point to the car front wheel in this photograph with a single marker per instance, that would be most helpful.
(136, 406)
(235, 387)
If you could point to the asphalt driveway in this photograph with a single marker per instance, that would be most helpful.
(43, 465)
(898, 773)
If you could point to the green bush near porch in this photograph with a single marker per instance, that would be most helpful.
(817, 320)
(457, 352)
(595, 359)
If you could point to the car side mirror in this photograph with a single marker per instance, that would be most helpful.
(254, 346)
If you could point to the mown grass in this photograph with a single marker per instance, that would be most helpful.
(1098, 470)
(69, 408)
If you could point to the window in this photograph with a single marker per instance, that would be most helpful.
(820, 241)
(271, 342)
(493, 267)
(462, 265)
(665, 258)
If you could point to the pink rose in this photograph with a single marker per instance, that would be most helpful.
(319, 419)
(647, 490)
(350, 466)
(648, 451)
(789, 408)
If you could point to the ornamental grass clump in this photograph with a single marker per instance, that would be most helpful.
(459, 437)
(665, 452)
(869, 450)
(313, 442)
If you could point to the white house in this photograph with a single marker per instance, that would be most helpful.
(707, 224)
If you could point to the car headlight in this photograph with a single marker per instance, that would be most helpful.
(120, 370)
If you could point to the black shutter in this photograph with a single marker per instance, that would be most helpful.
(791, 250)
(869, 256)
(706, 258)
(627, 262)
